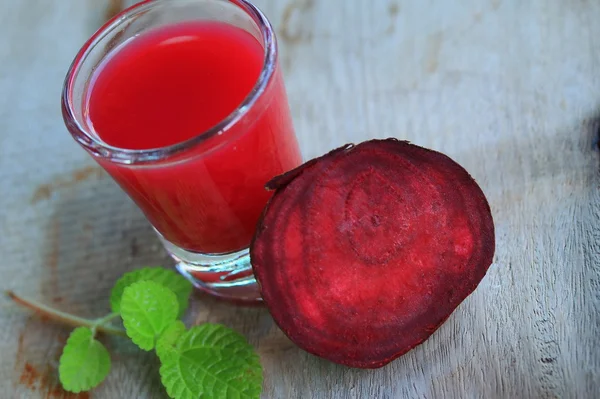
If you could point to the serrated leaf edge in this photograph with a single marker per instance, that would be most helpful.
(237, 346)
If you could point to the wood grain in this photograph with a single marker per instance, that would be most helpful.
(510, 89)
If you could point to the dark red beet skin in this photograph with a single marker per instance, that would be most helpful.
(363, 253)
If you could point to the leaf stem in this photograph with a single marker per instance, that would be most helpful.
(102, 321)
(67, 318)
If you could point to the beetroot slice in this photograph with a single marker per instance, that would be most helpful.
(363, 253)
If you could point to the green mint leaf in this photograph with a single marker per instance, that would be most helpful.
(147, 309)
(212, 361)
(165, 346)
(84, 362)
(168, 278)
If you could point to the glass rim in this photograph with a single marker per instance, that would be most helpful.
(91, 141)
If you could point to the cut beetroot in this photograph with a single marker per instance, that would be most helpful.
(363, 253)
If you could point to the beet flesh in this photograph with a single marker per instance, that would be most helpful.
(363, 253)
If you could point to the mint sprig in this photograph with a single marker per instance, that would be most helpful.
(209, 360)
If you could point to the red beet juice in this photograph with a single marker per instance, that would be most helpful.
(171, 84)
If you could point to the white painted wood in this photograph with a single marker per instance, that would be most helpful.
(508, 88)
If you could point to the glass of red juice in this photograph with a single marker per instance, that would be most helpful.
(182, 102)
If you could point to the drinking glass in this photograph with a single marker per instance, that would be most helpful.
(203, 196)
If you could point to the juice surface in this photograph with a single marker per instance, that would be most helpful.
(171, 84)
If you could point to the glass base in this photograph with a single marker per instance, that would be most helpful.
(227, 276)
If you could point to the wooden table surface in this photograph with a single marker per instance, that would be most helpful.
(508, 88)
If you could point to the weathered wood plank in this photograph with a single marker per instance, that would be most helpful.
(510, 89)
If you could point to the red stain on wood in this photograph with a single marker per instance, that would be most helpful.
(41, 378)
(21, 348)
(29, 376)
(45, 191)
(58, 392)
(46, 382)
